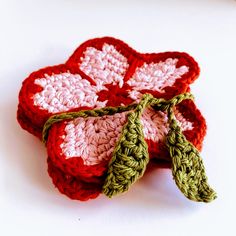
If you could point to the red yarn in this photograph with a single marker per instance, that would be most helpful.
(38, 116)
(71, 186)
(71, 176)
(75, 165)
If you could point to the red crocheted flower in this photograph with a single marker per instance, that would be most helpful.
(105, 72)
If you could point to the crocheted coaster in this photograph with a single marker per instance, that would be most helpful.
(105, 74)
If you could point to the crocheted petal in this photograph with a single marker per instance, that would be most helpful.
(105, 66)
(106, 60)
(73, 187)
(157, 76)
(155, 125)
(84, 146)
(63, 92)
(164, 74)
(52, 90)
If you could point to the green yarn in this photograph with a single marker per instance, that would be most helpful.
(130, 156)
(83, 113)
(187, 165)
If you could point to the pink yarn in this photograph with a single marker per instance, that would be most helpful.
(156, 76)
(104, 67)
(65, 91)
(93, 139)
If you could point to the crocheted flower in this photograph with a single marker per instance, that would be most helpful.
(105, 72)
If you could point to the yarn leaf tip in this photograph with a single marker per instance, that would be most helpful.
(187, 167)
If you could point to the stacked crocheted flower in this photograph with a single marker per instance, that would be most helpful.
(105, 72)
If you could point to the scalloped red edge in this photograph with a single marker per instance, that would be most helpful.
(75, 166)
(27, 112)
(73, 177)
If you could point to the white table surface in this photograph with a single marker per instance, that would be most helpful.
(34, 34)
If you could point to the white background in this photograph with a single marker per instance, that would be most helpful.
(34, 34)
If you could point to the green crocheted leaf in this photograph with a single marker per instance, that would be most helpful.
(187, 167)
(129, 159)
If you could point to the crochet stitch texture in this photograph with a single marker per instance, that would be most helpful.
(105, 74)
